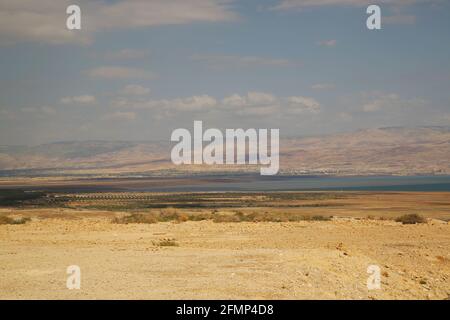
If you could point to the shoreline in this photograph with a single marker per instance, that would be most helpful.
(233, 183)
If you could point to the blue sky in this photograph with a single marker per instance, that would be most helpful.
(139, 69)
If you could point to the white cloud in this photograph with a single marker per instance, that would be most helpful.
(40, 111)
(323, 86)
(327, 43)
(169, 106)
(127, 54)
(84, 99)
(259, 111)
(219, 61)
(261, 103)
(44, 20)
(235, 100)
(260, 98)
(299, 4)
(391, 101)
(193, 103)
(251, 104)
(381, 102)
(115, 72)
(28, 109)
(48, 110)
(7, 115)
(251, 99)
(345, 116)
(120, 115)
(135, 90)
(299, 104)
(143, 13)
(40, 21)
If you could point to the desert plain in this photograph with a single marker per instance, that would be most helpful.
(285, 245)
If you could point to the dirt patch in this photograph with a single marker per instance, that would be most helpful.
(207, 260)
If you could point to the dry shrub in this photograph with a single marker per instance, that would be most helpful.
(166, 242)
(443, 259)
(182, 217)
(266, 217)
(200, 216)
(136, 218)
(379, 218)
(411, 219)
(8, 220)
(321, 218)
(226, 218)
(169, 214)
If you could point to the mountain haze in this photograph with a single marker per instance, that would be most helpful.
(395, 150)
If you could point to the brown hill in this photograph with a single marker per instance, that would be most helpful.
(423, 150)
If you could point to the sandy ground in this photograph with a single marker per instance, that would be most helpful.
(247, 260)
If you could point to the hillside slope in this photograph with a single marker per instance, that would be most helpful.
(423, 150)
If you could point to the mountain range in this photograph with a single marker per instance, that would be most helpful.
(393, 150)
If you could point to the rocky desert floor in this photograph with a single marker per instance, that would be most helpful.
(228, 260)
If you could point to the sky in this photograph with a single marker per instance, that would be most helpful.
(139, 69)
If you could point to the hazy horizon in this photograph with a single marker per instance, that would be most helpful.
(281, 136)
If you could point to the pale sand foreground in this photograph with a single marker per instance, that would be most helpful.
(295, 260)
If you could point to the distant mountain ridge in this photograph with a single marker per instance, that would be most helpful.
(393, 150)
